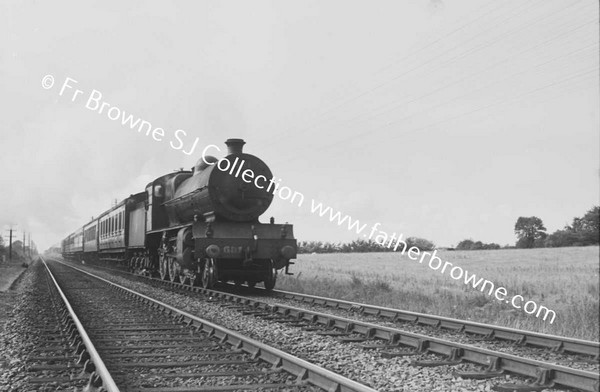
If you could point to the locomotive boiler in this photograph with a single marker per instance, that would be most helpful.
(202, 225)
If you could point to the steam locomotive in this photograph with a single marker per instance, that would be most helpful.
(194, 226)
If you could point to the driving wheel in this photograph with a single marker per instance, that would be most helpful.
(209, 273)
(163, 267)
(181, 275)
(270, 276)
(173, 270)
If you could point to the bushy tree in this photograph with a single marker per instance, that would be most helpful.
(582, 231)
(475, 245)
(591, 220)
(529, 229)
(421, 243)
(465, 245)
(491, 245)
(478, 245)
(589, 227)
(561, 238)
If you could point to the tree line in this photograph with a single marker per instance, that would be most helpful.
(584, 231)
(530, 232)
(476, 245)
(360, 246)
(19, 253)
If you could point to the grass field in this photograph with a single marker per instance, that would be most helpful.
(562, 279)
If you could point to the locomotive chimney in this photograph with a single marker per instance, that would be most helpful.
(235, 146)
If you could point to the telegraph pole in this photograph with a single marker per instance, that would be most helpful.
(10, 241)
(10, 245)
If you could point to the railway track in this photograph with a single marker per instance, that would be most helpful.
(131, 342)
(60, 356)
(584, 348)
(390, 341)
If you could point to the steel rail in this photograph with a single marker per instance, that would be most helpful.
(303, 370)
(496, 362)
(520, 336)
(100, 368)
(555, 342)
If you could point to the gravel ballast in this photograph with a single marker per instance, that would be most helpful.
(26, 330)
(366, 366)
(538, 354)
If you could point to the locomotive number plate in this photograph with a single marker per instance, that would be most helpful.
(232, 249)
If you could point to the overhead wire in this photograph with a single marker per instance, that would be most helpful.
(393, 79)
(526, 24)
(392, 106)
(401, 133)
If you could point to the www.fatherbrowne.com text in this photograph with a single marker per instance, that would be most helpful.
(178, 141)
(393, 241)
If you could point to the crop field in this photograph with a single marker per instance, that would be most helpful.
(565, 280)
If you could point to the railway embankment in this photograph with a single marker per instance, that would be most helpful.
(10, 271)
(10, 276)
(16, 309)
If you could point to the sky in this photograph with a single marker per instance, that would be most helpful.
(438, 119)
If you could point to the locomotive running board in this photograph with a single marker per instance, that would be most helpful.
(168, 228)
